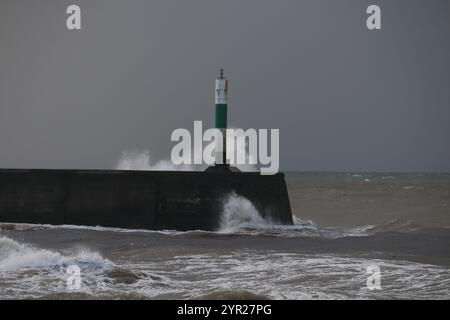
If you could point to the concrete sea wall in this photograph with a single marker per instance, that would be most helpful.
(135, 199)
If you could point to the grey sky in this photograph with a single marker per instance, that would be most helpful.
(343, 97)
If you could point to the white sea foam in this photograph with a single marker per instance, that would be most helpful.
(15, 255)
(239, 212)
(268, 273)
(240, 216)
(300, 221)
(276, 275)
(273, 274)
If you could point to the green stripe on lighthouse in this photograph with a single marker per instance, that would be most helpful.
(221, 116)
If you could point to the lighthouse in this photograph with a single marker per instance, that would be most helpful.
(221, 112)
(221, 106)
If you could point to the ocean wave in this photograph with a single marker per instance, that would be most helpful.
(15, 255)
(152, 273)
(241, 218)
(30, 226)
(238, 212)
(280, 275)
(28, 272)
(247, 274)
(398, 225)
(300, 228)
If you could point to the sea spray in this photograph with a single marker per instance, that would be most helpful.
(141, 160)
(15, 255)
(302, 222)
(239, 212)
(239, 215)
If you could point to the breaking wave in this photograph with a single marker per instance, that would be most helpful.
(215, 271)
(238, 212)
(240, 216)
(15, 255)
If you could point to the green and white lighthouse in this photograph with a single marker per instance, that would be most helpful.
(221, 98)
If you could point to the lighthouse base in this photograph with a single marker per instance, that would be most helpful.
(222, 168)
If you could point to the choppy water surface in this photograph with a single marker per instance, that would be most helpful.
(398, 223)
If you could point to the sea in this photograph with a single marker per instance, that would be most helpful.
(355, 236)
